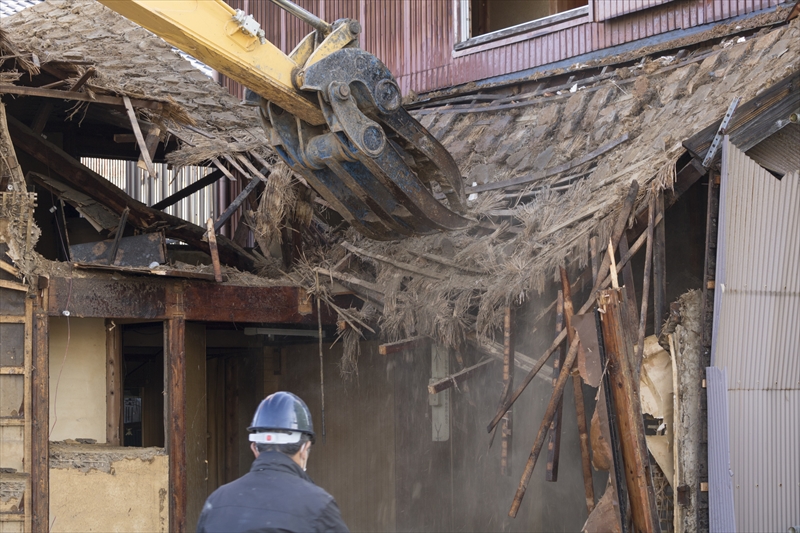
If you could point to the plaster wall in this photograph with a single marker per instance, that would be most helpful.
(77, 378)
(131, 496)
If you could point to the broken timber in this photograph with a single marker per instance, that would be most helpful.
(103, 191)
(625, 392)
(459, 377)
(403, 346)
(83, 97)
(554, 440)
(508, 380)
(212, 245)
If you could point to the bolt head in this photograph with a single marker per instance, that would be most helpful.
(354, 26)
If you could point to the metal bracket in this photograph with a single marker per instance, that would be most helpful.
(712, 150)
(250, 26)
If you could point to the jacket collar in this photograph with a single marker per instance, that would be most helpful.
(280, 462)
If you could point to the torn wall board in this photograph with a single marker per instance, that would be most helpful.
(98, 215)
(656, 391)
(135, 251)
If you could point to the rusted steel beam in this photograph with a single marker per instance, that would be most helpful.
(403, 345)
(554, 439)
(175, 353)
(459, 377)
(40, 415)
(508, 381)
(625, 392)
(549, 413)
(583, 432)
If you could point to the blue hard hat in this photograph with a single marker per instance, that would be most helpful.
(282, 411)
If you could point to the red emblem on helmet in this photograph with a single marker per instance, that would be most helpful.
(269, 437)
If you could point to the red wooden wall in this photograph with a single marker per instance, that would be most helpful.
(415, 38)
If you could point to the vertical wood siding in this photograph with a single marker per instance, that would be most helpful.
(415, 38)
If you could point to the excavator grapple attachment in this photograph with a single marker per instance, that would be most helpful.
(374, 163)
(332, 111)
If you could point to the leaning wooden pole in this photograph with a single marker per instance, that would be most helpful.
(627, 404)
(577, 384)
(549, 414)
(554, 440)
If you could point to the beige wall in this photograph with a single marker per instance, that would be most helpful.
(128, 494)
(78, 381)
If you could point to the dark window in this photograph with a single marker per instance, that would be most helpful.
(493, 15)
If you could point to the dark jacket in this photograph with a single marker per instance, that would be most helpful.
(276, 495)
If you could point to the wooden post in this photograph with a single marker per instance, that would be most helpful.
(145, 153)
(40, 406)
(625, 392)
(212, 247)
(627, 277)
(583, 432)
(508, 381)
(659, 268)
(175, 362)
(554, 440)
(113, 383)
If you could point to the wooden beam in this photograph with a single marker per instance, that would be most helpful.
(234, 206)
(83, 97)
(627, 404)
(580, 407)
(123, 219)
(151, 143)
(42, 117)
(101, 190)
(648, 265)
(203, 182)
(13, 285)
(124, 138)
(212, 244)
(175, 361)
(14, 271)
(114, 376)
(145, 153)
(404, 345)
(459, 377)
(90, 72)
(40, 414)
(222, 168)
(554, 438)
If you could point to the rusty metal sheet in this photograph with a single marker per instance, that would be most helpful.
(135, 251)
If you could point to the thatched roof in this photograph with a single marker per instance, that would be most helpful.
(130, 60)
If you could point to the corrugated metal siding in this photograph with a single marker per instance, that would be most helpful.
(757, 338)
(197, 208)
(415, 38)
(759, 276)
(721, 516)
(765, 432)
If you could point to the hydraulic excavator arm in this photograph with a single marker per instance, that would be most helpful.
(331, 110)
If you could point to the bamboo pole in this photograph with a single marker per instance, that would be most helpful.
(548, 417)
(586, 462)
(625, 392)
(554, 439)
(508, 380)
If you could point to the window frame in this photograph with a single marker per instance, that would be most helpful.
(512, 34)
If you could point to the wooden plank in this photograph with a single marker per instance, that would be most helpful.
(404, 345)
(175, 361)
(13, 285)
(14, 271)
(12, 319)
(508, 382)
(90, 72)
(151, 143)
(625, 392)
(459, 377)
(212, 245)
(234, 206)
(187, 191)
(114, 396)
(12, 370)
(554, 438)
(222, 168)
(83, 97)
(648, 265)
(145, 153)
(580, 407)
